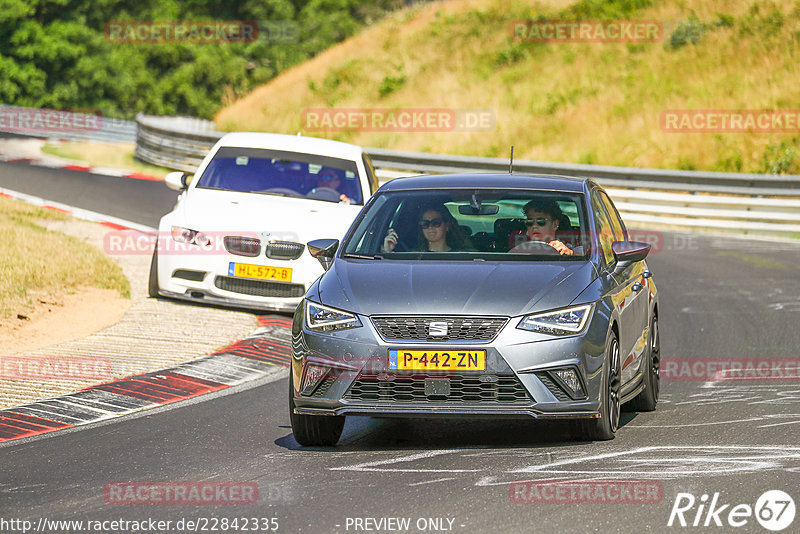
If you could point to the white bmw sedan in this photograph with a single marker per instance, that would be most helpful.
(237, 234)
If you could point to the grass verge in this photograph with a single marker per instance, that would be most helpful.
(111, 155)
(38, 261)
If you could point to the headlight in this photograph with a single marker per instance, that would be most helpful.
(325, 319)
(193, 237)
(559, 322)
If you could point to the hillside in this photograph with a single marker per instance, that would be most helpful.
(573, 102)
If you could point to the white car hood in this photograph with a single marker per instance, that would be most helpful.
(282, 218)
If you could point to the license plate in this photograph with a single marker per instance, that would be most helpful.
(261, 272)
(445, 360)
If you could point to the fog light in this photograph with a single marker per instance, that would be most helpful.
(314, 375)
(569, 378)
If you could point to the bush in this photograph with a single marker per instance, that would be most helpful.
(780, 159)
(688, 32)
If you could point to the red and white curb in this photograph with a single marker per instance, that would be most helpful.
(79, 213)
(43, 162)
(261, 354)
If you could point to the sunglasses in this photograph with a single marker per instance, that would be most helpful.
(539, 221)
(436, 223)
(328, 177)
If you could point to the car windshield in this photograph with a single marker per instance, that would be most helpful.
(470, 225)
(293, 174)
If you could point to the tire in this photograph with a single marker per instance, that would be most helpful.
(604, 427)
(646, 400)
(152, 282)
(314, 430)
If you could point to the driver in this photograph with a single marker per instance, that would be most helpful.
(542, 217)
(329, 179)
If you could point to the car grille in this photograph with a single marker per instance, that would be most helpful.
(502, 389)
(284, 250)
(259, 288)
(243, 246)
(458, 328)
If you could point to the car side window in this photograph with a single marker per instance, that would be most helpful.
(605, 234)
(616, 222)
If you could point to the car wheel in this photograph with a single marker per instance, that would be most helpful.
(604, 427)
(152, 283)
(314, 430)
(646, 400)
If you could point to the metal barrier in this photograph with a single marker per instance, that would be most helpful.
(178, 143)
(67, 125)
(697, 199)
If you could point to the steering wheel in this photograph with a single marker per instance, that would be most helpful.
(324, 193)
(533, 247)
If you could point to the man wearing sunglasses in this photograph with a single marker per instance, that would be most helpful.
(541, 220)
(328, 179)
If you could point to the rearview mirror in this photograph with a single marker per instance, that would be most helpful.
(324, 250)
(483, 209)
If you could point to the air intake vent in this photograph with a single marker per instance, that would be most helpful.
(186, 274)
(243, 246)
(259, 288)
(557, 391)
(505, 389)
(284, 250)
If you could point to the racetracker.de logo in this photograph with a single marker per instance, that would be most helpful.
(586, 492)
(186, 242)
(181, 32)
(179, 493)
(54, 368)
(398, 120)
(723, 369)
(47, 121)
(730, 121)
(587, 31)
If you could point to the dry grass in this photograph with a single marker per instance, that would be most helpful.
(575, 102)
(41, 262)
(111, 155)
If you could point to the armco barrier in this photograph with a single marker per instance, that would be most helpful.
(71, 125)
(758, 203)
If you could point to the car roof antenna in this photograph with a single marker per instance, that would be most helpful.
(511, 161)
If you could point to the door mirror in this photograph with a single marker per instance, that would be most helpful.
(628, 252)
(324, 250)
(176, 180)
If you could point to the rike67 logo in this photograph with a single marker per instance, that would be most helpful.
(774, 510)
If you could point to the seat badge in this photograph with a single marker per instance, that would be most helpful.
(437, 328)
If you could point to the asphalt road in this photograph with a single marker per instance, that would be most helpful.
(721, 299)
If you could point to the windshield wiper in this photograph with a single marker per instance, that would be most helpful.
(362, 256)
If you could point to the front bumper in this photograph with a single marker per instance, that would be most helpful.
(525, 357)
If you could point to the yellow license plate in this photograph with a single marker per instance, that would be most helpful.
(444, 360)
(261, 272)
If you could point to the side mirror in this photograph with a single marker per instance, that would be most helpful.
(176, 180)
(627, 252)
(324, 250)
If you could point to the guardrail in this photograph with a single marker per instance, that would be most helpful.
(67, 125)
(762, 203)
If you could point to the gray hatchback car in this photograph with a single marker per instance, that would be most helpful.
(477, 295)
